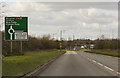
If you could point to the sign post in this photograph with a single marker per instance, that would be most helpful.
(16, 28)
(11, 46)
(60, 46)
(21, 47)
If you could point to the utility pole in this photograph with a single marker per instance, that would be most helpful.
(2, 14)
(73, 37)
(54, 35)
(0, 54)
(100, 32)
(1, 25)
(112, 34)
(60, 40)
(61, 35)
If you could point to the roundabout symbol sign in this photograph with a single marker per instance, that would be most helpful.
(11, 31)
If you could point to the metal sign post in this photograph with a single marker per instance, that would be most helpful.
(21, 47)
(11, 47)
(60, 46)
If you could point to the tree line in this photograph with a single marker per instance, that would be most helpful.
(106, 44)
(46, 42)
(33, 44)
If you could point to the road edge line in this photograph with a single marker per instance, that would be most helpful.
(106, 67)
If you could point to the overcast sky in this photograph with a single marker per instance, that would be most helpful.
(83, 19)
(59, 0)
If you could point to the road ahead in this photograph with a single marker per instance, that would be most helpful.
(81, 63)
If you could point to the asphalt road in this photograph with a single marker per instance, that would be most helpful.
(81, 63)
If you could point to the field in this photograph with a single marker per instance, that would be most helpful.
(20, 65)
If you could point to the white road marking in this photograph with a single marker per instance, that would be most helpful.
(118, 73)
(108, 68)
(100, 64)
(70, 52)
(94, 61)
(103, 65)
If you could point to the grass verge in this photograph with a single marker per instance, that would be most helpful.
(115, 54)
(20, 65)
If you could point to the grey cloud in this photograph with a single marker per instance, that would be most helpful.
(83, 5)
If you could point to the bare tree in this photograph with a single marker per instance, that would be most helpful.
(102, 37)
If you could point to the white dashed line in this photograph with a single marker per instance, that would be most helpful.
(104, 66)
(100, 64)
(118, 73)
(94, 61)
(108, 68)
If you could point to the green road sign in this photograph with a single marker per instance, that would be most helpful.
(16, 28)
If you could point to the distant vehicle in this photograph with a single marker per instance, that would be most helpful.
(82, 47)
(74, 48)
(85, 46)
(92, 46)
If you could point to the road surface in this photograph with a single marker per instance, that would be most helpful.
(80, 63)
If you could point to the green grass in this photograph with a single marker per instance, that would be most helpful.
(115, 54)
(19, 65)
